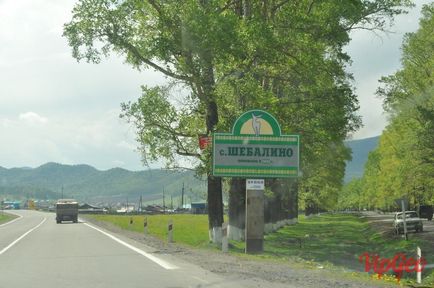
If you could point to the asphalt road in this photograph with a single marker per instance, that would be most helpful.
(387, 219)
(37, 252)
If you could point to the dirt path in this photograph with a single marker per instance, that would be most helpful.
(383, 223)
(263, 272)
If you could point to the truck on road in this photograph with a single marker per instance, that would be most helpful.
(66, 210)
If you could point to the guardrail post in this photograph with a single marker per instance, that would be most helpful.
(170, 231)
(418, 268)
(145, 226)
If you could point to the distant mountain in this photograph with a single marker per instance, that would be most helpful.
(361, 149)
(84, 182)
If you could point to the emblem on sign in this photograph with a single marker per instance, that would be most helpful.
(256, 124)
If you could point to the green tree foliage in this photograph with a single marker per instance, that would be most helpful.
(403, 164)
(370, 180)
(351, 195)
(320, 187)
(283, 56)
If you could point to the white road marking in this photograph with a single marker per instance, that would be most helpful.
(21, 237)
(10, 222)
(158, 261)
(200, 279)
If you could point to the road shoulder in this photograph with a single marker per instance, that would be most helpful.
(271, 272)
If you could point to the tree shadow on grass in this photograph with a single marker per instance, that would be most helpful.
(337, 239)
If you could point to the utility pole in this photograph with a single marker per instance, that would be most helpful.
(126, 211)
(62, 191)
(171, 201)
(182, 196)
(140, 204)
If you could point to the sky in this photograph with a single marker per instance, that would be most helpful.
(54, 109)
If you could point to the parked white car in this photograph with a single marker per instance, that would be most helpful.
(412, 220)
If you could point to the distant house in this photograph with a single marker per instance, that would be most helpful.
(41, 204)
(126, 209)
(199, 208)
(90, 209)
(12, 204)
(153, 209)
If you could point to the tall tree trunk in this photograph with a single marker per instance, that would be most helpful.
(279, 190)
(284, 205)
(237, 209)
(215, 208)
(215, 195)
(293, 200)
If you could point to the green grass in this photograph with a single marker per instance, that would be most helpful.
(4, 217)
(329, 240)
(187, 229)
(337, 240)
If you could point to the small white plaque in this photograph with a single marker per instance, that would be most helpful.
(255, 184)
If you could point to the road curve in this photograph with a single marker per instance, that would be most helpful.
(51, 255)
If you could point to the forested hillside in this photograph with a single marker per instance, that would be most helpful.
(403, 163)
(86, 182)
(359, 155)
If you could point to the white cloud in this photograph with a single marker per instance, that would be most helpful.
(57, 109)
(5, 122)
(127, 145)
(74, 107)
(33, 118)
(375, 56)
(98, 139)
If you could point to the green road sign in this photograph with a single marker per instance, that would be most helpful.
(256, 148)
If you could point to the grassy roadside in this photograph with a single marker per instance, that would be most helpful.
(338, 241)
(5, 217)
(188, 229)
(332, 241)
